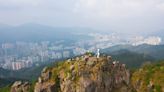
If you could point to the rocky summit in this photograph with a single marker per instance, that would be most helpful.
(85, 74)
(89, 73)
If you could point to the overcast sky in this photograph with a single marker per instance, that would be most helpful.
(116, 15)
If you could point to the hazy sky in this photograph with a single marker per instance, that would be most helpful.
(116, 15)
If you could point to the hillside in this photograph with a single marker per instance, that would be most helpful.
(7, 77)
(155, 52)
(129, 58)
(149, 78)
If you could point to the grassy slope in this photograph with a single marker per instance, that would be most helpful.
(149, 73)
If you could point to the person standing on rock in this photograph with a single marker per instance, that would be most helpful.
(98, 53)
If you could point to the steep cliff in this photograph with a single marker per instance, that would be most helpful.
(85, 74)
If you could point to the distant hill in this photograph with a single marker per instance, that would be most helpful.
(157, 52)
(135, 56)
(158, 33)
(131, 59)
(7, 81)
(8, 76)
(37, 32)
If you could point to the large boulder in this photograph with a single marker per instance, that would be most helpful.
(45, 87)
(20, 86)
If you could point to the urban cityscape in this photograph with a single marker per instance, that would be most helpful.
(18, 55)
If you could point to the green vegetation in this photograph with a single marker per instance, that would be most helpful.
(32, 85)
(131, 59)
(158, 88)
(28, 74)
(155, 52)
(5, 89)
(89, 53)
(149, 75)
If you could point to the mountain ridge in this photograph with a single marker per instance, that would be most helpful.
(38, 32)
(156, 51)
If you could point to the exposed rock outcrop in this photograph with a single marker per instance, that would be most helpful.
(20, 86)
(85, 75)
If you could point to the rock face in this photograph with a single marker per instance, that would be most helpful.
(19, 86)
(43, 84)
(44, 87)
(80, 75)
